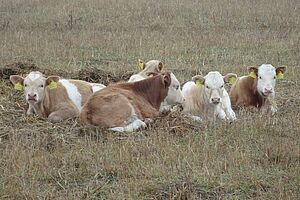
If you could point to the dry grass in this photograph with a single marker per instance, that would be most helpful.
(257, 157)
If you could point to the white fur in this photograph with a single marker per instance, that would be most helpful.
(97, 86)
(73, 92)
(213, 88)
(266, 79)
(136, 77)
(133, 126)
(34, 76)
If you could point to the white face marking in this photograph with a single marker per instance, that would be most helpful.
(266, 79)
(175, 95)
(73, 92)
(214, 87)
(34, 85)
(34, 75)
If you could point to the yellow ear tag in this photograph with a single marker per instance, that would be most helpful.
(141, 66)
(19, 86)
(232, 80)
(52, 85)
(252, 74)
(279, 76)
(199, 84)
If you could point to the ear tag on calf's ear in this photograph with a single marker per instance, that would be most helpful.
(279, 76)
(252, 74)
(199, 84)
(19, 86)
(52, 85)
(141, 66)
(232, 80)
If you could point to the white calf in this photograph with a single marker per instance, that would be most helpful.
(207, 97)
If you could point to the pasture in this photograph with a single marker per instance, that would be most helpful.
(256, 157)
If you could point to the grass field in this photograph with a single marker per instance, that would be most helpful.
(256, 157)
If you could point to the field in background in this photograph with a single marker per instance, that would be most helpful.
(257, 157)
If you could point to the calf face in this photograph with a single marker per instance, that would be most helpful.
(151, 66)
(175, 95)
(34, 85)
(266, 78)
(213, 84)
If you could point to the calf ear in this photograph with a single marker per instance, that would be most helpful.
(18, 81)
(166, 79)
(141, 65)
(51, 81)
(252, 71)
(280, 71)
(230, 78)
(199, 80)
(160, 66)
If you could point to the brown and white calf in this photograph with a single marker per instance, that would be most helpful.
(257, 90)
(153, 67)
(122, 107)
(206, 97)
(54, 98)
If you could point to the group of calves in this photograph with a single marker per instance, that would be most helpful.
(128, 106)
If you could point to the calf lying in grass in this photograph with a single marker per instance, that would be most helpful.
(54, 98)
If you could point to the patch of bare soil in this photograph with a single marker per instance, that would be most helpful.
(97, 75)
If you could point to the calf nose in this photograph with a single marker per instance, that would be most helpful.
(215, 100)
(31, 96)
(268, 90)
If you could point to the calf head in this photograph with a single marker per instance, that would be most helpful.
(213, 84)
(174, 95)
(265, 76)
(151, 66)
(34, 85)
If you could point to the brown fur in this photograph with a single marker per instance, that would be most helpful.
(116, 104)
(57, 105)
(244, 93)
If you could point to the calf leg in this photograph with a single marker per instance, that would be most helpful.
(62, 114)
(133, 126)
(226, 105)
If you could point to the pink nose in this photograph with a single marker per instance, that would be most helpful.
(268, 90)
(31, 96)
(215, 100)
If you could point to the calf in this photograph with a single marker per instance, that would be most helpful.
(257, 90)
(123, 106)
(54, 98)
(153, 67)
(207, 97)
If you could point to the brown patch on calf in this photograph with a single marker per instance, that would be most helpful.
(244, 93)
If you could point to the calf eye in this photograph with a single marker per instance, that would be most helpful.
(222, 86)
(207, 87)
(260, 77)
(274, 77)
(176, 87)
(41, 86)
(25, 85)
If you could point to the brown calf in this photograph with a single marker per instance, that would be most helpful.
(122, 107)
(257, 90)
